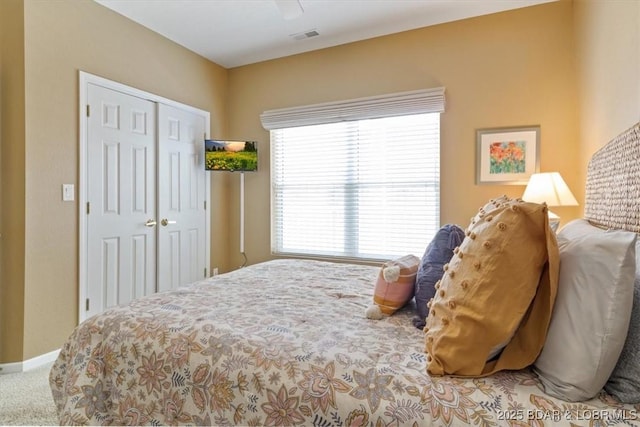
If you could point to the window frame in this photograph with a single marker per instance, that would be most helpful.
(379, 106)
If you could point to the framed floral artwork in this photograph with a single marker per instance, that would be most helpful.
(507, 156)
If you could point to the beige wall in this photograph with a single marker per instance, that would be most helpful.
(508, 69)
(607, 34)
(61, 38)
(12, 170)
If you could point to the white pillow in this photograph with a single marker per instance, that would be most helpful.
(592, 310)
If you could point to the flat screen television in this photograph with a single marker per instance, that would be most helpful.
(234, 156)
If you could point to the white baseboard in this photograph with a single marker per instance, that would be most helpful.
(27, 365)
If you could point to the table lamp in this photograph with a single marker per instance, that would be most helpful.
(550, 188)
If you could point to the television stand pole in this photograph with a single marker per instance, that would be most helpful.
(242, 213)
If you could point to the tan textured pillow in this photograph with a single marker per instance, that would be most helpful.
(497, 291)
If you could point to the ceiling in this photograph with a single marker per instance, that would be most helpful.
(233, 33)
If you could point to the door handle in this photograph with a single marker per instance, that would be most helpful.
(166, 222)
(150, 223)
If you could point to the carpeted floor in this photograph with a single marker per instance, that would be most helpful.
(25, 398)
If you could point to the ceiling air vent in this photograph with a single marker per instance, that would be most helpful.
(305, 35)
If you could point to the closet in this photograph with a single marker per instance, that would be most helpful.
(144, 226)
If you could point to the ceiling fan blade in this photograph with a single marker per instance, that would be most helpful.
(290, 9)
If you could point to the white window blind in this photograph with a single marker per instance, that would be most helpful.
(361, 188)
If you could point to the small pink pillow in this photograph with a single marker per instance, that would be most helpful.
(395, 284)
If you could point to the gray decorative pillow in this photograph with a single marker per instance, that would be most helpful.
(624, 383)
(592, 310)
(438, 253)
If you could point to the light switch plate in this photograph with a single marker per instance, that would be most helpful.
(68, 192)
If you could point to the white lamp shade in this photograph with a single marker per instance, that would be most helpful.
(549, 188)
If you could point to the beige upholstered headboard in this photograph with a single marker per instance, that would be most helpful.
(612, 198)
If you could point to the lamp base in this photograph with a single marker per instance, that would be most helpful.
(554, 221)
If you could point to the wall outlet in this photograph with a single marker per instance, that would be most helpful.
(215, 271)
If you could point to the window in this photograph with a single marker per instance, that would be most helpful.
(362, 188)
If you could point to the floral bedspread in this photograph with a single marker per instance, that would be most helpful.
(285, 343)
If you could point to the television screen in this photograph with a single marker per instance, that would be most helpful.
(241, 156)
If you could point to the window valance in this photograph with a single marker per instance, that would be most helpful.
(373, 107)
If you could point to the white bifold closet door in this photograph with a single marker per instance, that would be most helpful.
(181, 180)
(146, 211)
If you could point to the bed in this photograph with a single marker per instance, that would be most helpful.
(286, 342)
